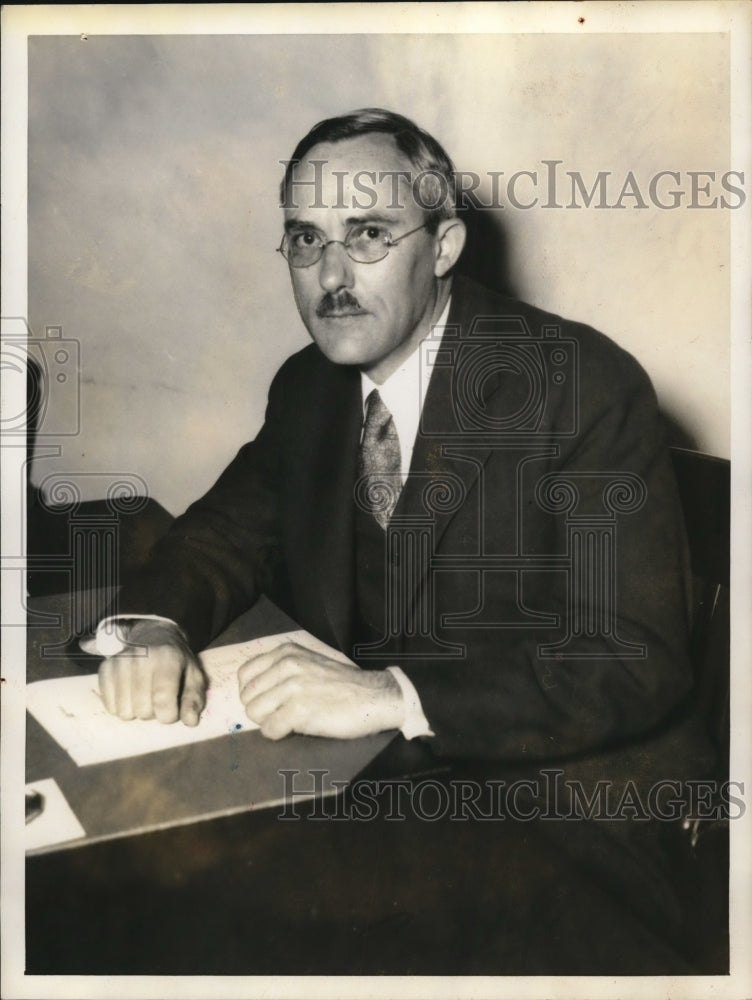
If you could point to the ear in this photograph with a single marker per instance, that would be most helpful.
(450, 241)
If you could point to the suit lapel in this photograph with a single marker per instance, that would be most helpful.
(448, 458)
(439, 480)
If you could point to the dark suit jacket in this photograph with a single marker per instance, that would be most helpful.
(525, 413)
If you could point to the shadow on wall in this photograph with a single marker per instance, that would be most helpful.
(676, 435)
(486, 257)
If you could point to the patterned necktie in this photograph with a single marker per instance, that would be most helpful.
(379, 462)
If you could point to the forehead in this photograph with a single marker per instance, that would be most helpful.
(363, 172)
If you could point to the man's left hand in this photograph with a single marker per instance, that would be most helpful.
(295, 690)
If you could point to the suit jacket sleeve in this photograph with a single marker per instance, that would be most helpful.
(222, 552)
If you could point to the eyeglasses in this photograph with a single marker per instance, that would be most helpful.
(365, 244)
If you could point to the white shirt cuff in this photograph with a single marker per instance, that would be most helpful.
(415, 724)
(108, 640)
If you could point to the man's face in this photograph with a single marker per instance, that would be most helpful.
(369, 315)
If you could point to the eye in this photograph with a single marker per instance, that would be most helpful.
(304, 238)
(368, 233)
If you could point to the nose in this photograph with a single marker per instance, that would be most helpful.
(335, 268)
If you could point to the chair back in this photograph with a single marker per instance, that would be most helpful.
(705, 491)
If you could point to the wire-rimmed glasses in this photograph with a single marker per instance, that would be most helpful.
(366, 243)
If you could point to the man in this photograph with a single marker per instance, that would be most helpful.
(468, 496)
(289, 496)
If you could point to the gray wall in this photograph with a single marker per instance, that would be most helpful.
(153, 218)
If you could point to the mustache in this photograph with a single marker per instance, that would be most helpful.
(337, 303)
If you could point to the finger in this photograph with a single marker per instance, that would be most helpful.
(258, 709)
(168, 665)
(281, 723)
(193, 699)
(259, 664)
(278, 672)
(123, 698)
(141, 670)
(107, 685)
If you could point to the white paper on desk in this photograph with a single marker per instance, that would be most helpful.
(57, 823)
(72, 711)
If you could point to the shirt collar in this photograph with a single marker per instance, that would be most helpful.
(404, 392)
(410, 381)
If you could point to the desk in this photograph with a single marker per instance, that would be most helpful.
(185, 849)
(189, 868)
(184, 784)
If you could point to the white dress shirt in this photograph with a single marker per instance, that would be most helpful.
(403, 393)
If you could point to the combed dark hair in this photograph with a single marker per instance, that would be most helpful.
(434, 170)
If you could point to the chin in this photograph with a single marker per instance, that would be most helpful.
(343, 354)
(344, 349)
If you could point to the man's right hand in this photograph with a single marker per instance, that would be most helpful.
(163, 681)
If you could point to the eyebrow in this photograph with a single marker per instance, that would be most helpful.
(292, 225)
(359, 220)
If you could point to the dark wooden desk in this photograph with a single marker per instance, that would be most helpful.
(212, 879)
(188, 865)
(239, 773)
